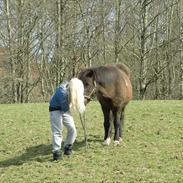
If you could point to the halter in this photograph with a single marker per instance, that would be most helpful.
(88, 97)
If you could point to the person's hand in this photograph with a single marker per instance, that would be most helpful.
(87, 100)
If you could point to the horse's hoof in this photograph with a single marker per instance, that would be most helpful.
(107, 141)
(116, 142)
(120, 139)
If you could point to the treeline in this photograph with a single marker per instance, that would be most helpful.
(48, 41)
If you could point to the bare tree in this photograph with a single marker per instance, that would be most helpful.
(49, 41)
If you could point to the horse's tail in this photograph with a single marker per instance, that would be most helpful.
(124, 68)
(77, 95)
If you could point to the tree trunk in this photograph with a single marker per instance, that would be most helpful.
(10, 50)
(42, 48)
(156, 83)
(180, 15)
(59, 43)
(143, 49)
(169, 52)
(117, 30)
(103, 32)
(27, 75)
(89, 57)
(20, 54)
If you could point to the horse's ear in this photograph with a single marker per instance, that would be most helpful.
(86, 73)
(89, 73)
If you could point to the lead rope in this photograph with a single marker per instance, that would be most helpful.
(83, 118)
(83, 123)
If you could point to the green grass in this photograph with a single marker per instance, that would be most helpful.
(152, 148)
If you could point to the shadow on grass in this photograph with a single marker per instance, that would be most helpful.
(34, 153)
(40, 152)
(90, 139)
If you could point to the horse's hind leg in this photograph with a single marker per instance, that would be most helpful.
(117, 125)
(121, 124)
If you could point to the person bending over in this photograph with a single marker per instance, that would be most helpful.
(68, 95)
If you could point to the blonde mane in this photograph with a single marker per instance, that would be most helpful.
(76, 88)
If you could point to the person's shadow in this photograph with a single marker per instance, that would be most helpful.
(41, 153)
(36, 153)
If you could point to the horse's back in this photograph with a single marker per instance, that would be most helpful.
(114, 81)
(124, 68)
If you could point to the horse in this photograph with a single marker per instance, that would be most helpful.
(112, 86)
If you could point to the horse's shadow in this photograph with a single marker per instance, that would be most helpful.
(90, 139)
(40, 153)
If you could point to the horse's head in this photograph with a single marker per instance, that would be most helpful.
(87, 76)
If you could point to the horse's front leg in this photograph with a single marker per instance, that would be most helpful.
(117, 126)
(107, 125)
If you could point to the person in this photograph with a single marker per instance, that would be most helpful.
(67, 96)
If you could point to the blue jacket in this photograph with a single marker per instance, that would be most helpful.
(59, 101)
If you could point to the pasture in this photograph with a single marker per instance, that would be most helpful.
(152, 148)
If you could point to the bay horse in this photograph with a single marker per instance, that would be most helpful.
(113, 89)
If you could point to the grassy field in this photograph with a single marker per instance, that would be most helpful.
(152, 148)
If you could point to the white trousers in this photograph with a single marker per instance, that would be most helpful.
(58, 119)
